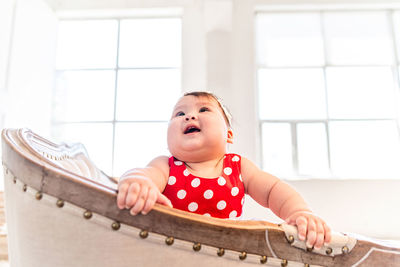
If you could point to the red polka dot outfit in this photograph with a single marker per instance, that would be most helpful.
(220, 197)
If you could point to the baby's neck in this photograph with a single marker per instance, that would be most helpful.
(207, 169)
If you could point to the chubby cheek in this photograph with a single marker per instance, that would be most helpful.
(171, 135)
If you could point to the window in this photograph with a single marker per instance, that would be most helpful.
(117, 80)
(328, 93)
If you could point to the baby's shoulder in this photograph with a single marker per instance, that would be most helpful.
(160, 161)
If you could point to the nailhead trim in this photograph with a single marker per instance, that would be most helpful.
(60, 203)
(115, 226)
(39, 195)
(263, 259)
(242, 255)
(87, 214)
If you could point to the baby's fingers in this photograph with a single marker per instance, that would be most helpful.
(328, 235)
(141, 200)
(151, 200)
(312, 233)
(132, 195)
(122, 191)
(319, 242)
(162, 199)
(301, 223)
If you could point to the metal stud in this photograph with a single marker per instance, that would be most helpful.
(345, 249)
(24, 188)
(263, 259)
(15, 180)
(242, 255)
(329, 251)
(115, 226)
(87, 214)
(143, 234)
(284, 263)
(306, 265)
(221, 252)
(290, 239)
(196, 246)
(310, 249)
(60, 203)
(169, 240)
(38, 195)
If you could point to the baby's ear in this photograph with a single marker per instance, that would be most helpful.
(230, 137)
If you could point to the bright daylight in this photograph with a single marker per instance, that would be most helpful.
(199, 133)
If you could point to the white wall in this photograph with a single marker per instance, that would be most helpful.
(6, 20)
(218, 54)
(31, 67)
(27, 60)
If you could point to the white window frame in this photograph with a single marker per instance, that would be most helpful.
(117, 15)
(322, 9)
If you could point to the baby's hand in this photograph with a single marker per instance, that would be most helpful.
(312, 227)
(139, 194)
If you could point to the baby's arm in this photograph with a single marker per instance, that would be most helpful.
(139, 189)
(285, 202)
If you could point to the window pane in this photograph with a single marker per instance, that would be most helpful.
(147, 94)
(365, 92)
(84, 96)
(289, 39)
(87, 44)
(358, 38)
(291, 94)
(365, 149)
(396, 20)
(150, 43)
(96, 137)
(277, 149)
(312, 149)
(136, 144)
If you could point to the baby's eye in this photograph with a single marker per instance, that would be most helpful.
(180, 113)
(204, 109)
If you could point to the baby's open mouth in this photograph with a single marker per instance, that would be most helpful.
(191, 129)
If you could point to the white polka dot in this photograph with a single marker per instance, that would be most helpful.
(233, 214)
(240, 178)
(235, 159)
(178, 163)
(221, 181)
(228, 171)
(193, 206)
(181, 194)
(242, 201)
(221, 205)
(195, 182)
(207, 214)
(186, 172)
(234, 191)
(208, 194)
(171, 180)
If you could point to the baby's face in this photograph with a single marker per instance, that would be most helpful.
(197, 130)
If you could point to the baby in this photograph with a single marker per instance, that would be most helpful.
(201, 177)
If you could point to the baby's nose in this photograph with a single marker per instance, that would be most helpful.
(190, 117)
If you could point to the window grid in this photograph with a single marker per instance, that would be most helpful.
(395, 67)
(116, 69)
